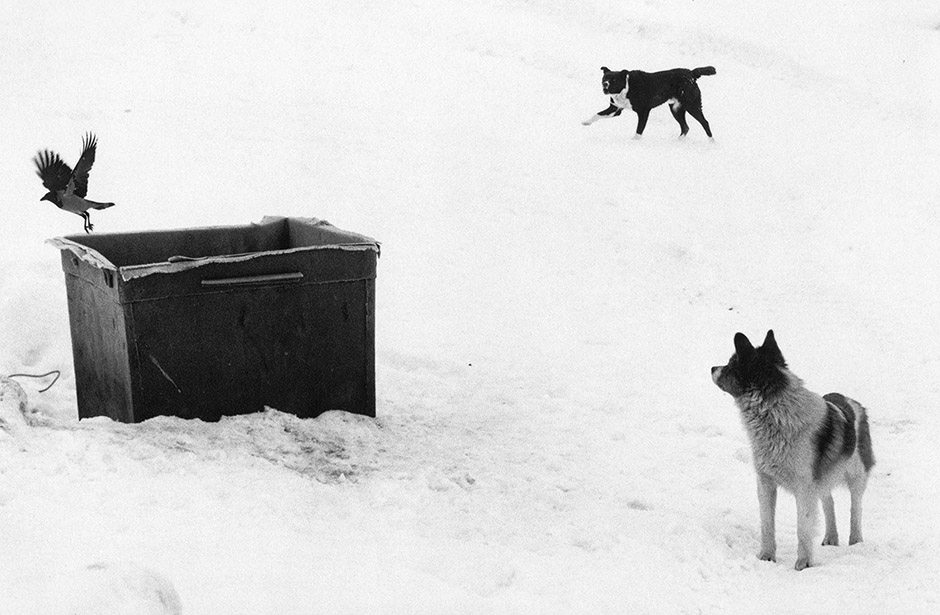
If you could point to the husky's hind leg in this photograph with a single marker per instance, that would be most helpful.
(857, 484)
(857, 478)
(829, 510)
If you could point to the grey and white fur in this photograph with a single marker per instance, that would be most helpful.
(800, 441)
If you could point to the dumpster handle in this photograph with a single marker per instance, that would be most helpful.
(255, 279)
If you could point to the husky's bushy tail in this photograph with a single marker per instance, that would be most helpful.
(702, 71)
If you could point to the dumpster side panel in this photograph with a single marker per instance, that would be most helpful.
(99, 350)
(369, 354)
(300, 348)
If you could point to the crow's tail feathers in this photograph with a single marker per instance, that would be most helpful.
(95, 205)
(702, 71)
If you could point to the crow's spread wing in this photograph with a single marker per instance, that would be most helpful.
(54, 173)
(83, 166)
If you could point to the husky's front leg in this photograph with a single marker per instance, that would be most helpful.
(807, 507)
(611, 111)
(767, 498)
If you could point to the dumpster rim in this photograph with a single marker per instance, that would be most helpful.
(131, 272)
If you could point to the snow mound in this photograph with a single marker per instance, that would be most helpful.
(120, 588)
(12, 407)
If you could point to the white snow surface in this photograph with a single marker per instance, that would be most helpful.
(550, 299)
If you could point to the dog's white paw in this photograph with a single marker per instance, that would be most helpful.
(802, 563)
(767, 556)
(589, 121)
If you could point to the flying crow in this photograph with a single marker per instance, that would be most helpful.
(67, 188)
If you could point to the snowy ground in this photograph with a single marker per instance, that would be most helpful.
(549, 302)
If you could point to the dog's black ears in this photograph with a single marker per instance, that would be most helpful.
(743, 347)
(767, 351)
(605, 69)
(770, 349)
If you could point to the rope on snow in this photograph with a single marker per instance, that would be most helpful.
(54, 380)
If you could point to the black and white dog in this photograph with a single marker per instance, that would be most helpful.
(640, 91)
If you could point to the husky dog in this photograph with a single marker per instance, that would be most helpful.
(805, 443)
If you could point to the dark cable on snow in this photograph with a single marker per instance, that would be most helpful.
(54, 380)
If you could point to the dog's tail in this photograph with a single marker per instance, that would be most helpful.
(702, 71)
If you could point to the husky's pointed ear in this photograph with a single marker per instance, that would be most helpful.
(605, 69)
(770, 349)
(743, 347)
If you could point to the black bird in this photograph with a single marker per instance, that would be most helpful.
(67, 188)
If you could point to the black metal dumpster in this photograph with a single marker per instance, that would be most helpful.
(208, 322)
